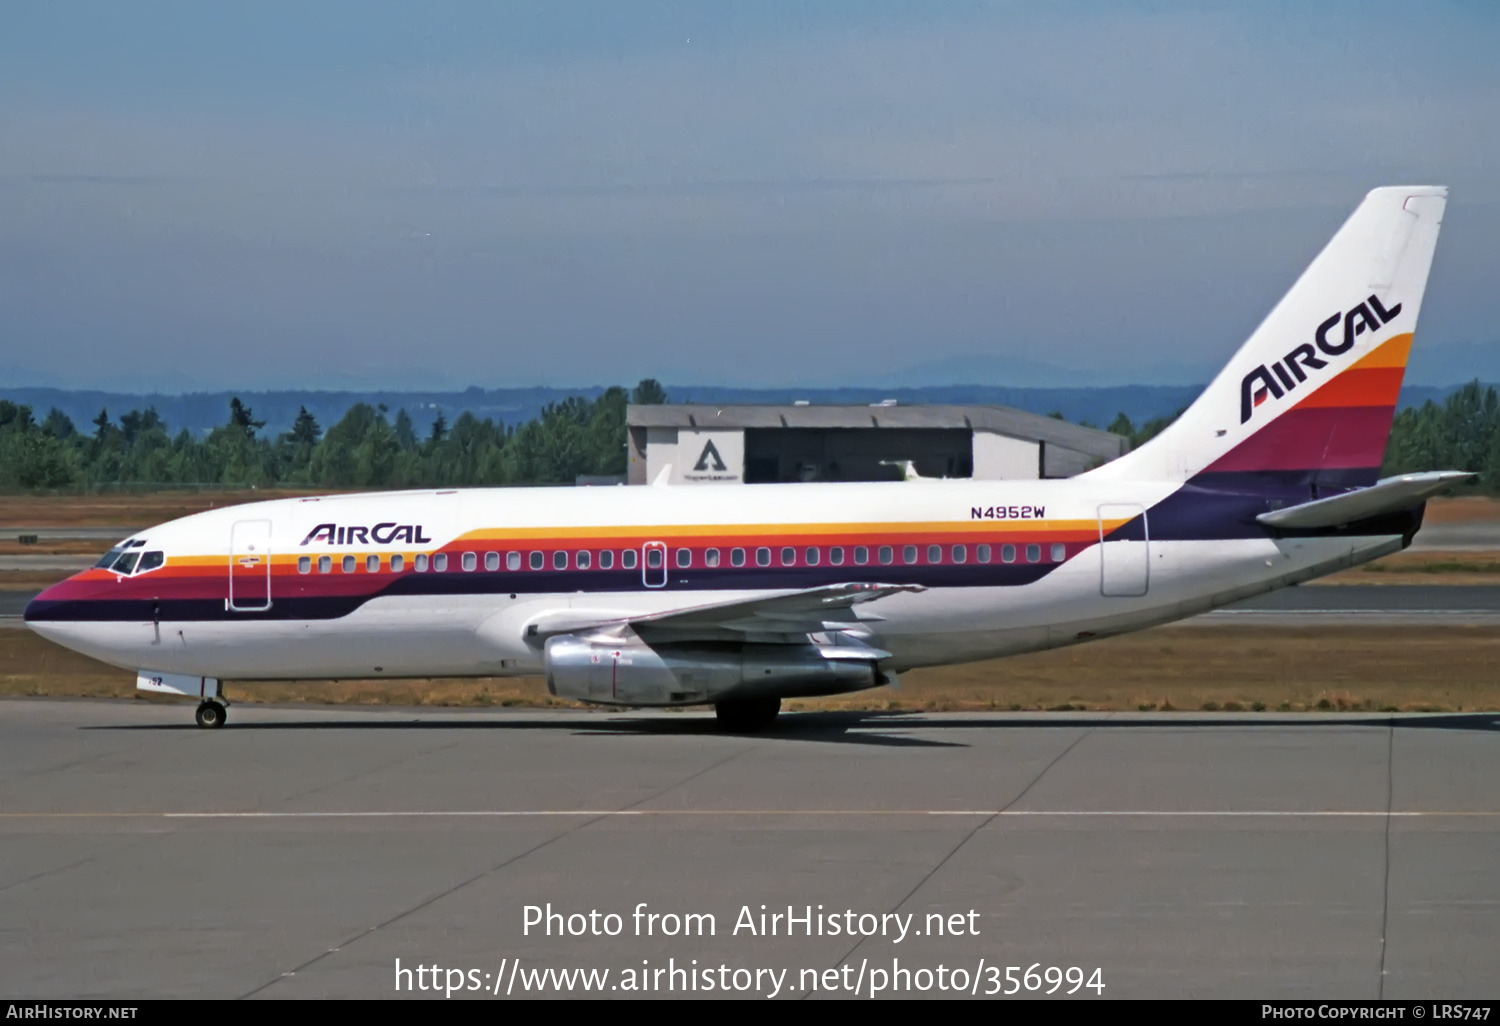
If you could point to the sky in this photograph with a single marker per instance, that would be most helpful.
(370, 194)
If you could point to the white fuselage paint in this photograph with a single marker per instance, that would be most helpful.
(466, 635)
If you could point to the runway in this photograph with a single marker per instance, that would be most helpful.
(301, 851)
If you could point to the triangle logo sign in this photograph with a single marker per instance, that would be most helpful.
(710, 459)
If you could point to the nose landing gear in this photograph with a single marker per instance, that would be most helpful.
(211, 715)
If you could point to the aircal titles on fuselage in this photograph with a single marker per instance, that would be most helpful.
(356, 534)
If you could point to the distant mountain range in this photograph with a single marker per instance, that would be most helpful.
(201, 411)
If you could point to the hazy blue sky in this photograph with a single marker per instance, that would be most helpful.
(278, 194)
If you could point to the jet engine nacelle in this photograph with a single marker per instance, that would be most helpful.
(634, 673)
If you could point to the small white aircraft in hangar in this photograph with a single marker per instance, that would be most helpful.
(678, 596)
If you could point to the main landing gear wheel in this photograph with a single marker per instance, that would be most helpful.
(747, 715)
(211, 715)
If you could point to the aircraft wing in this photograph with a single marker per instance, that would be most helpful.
(1388, 495)
(788, 613)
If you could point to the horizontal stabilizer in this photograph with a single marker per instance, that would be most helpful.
(1388, 495)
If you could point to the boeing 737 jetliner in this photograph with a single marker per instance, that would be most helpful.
(741, 596)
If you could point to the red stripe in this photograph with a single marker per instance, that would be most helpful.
(1359, 386)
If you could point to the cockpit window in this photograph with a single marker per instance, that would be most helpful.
(150, 561)
(126, 563)
(108, 559)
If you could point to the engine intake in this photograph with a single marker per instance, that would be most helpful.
(634, 673)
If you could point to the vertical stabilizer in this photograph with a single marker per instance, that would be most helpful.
(1308, 399)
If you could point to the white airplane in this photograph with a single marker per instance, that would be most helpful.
(742, 596)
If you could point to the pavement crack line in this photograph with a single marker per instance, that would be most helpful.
(46, 873)
(435, 898)
(967, 838)
(1385, 898)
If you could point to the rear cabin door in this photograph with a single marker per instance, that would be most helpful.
(250, 566)
(1124, 563)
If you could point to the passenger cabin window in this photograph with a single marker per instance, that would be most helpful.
(1007, 553)
(684, 558)
(934, 553)
(628, 559)
(419, 563)
(736, 557)
(960, 554)
(909, 553)
(536, 560)
(398, 563)
(812, 556)
(559, 560)
(861, 555)
(887, 554)
(1059, 552)
(762, 557)
(836, 555)
(788, 556)
(372, 564)
(440, 561)
(304, 564)
(606, 559)
(325, 564)
(710, 557)
(1033, 553)
(349, 564)
(653, 559)
(983, 553)
(512, 561)
(583, 560)
(152, 560)
(469, 561)
(492, 561)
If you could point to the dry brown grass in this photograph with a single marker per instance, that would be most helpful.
(147, 508)
(1227, 668)
(11, 546)
(126, 510)
(1425, 566)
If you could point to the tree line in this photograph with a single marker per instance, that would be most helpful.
(367, 448)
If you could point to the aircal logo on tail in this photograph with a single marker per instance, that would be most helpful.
(1289, 372)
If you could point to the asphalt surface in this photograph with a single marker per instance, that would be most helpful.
(301, 852)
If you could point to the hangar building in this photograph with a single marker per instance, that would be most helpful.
(763, 444)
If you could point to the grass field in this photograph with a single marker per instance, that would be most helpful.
(137, 510)
(1232, 667)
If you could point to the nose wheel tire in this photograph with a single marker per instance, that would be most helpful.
(211, 715)
(747, 715)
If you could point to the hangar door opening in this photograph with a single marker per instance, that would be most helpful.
(1124, 562)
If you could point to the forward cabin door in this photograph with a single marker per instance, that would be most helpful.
(250, 566)
(1124, 563)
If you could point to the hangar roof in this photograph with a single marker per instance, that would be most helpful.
(1002, 420)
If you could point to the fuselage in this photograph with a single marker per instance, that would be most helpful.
(446, 583)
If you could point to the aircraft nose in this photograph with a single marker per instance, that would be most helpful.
(46, 604)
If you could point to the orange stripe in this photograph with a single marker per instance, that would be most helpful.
(1393, 352)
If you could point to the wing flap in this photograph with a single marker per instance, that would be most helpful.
(798, 612)
(1388, 495)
